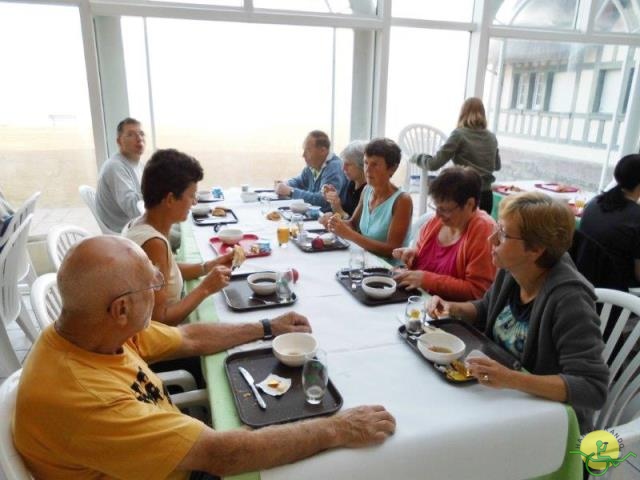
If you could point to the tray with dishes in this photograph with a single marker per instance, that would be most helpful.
(284, 408)
(250, 243)
(507, 189)
(376, 287)
(214, 217)
(310, 215)
(319, 240)
(242, 297)
(474, 340)
(557, 187)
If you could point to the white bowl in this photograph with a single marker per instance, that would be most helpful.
(200, 210)
(230, 236)
(292, 348)
(427, 342)
(249, 197)
(388, 288)
(299, 207)
(328, 238)
(205, 195)
(262, 287)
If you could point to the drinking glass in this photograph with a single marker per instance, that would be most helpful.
(284, 285)
(315, 376)
(296, 225)
(414, 314)
(356, 265)
(283, 235)
(265, 204)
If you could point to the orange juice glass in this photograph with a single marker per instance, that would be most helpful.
(283, 235)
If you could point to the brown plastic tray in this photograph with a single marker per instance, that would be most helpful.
(400, 295)
(473, 338)
(306, 247)
(238, 292)
(285, 408)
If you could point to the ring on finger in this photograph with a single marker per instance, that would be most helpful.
(485, 378)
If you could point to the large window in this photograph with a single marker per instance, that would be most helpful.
(555, 104)
(45, 124)
(242, 97)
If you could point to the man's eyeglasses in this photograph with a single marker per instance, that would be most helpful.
(441, 210)
(502, 235)
(155, 287)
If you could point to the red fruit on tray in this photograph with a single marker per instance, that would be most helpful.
(296, 275)
(317, 243)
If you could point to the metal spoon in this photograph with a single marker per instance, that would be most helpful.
(253, 298)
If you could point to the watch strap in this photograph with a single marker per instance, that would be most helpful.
(266, 326)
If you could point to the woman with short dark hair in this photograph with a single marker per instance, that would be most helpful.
(540, 309)
(169, 185)
(452, 257)
(612, 219)
(380, 222)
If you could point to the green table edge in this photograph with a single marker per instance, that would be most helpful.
(223, 409)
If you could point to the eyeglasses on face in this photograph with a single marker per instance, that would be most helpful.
(155, 287)
(502, 235)
(442, 210)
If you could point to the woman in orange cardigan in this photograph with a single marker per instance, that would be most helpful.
(452, 257)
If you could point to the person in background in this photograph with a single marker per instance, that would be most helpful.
(169, 185)
(89, 406)
(381, 221)
(540, 309)
(470, 145)
(118, 191)
(612, 219)
(452, 257)
(323, 168)
(346, 201)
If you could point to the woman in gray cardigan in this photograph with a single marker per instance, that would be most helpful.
(539, 308)
(469, 145)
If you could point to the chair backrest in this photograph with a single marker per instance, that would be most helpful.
(10, 258)
(11, 464)
(60, 239)
(45, 299)
(419, 138)
(88, 194)
(25, 268)
(620, 352)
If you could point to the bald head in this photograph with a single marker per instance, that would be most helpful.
(96, 270)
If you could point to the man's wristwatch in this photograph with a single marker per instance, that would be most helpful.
(266, 326)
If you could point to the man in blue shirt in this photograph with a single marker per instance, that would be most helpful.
(323, 168)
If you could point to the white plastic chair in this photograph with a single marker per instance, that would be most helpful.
(624, 365)
(11, 302)
(47, 305)
(60, 239)
(11, 464)
(419, 138)
(26, 272)
(88, 194)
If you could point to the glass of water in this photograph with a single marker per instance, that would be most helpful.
(265, 204)
(315, 376)
(356, 265)
(284, 285)
(414, 314)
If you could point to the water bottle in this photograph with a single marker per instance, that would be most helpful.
(414, 183)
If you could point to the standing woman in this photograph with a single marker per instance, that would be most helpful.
(380, 222)
(469, 145)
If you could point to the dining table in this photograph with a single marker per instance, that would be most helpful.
(575, 197)
(444, 430)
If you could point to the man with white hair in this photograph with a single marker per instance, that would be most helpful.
(89, 406)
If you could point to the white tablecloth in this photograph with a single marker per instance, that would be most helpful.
(443, 430)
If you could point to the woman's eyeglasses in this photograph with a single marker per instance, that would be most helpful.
(502, 235)
(441, 210)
